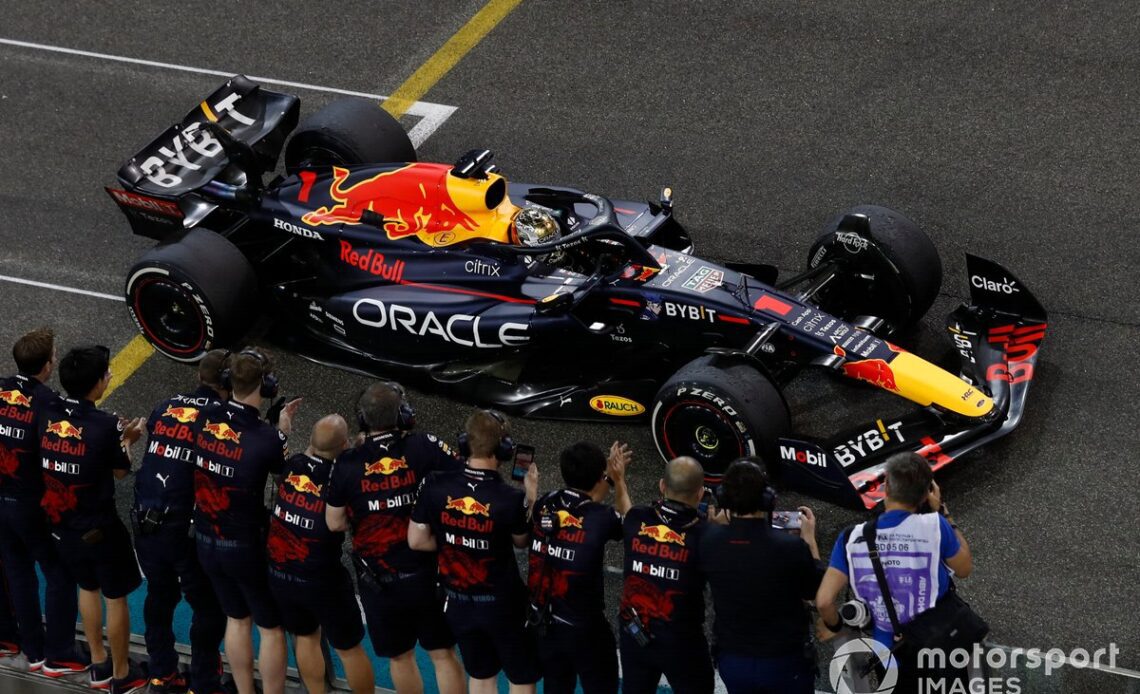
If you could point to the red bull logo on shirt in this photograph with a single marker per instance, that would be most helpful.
(568, 520)
(468, 506)
(385, 466)
(185, 415)
(662, 533)
(63, 429)
(15, 397)
(302, 483)
(222, 431)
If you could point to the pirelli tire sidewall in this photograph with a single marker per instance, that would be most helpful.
(718, 413)
(192, 295)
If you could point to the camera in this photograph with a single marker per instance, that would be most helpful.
(855, 614)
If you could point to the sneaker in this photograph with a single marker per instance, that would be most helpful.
(9, 649)
(102, 674)
(60, 668)
(171, 684)
(134, 681)
(35, 665)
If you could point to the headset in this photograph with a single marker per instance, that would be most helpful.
(767, 494)
(269, 384)
(405, 415)
(220, 376)
(504, 450)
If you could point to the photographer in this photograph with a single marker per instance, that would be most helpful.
(662, 613)
(918, 551)
(571, 528)
(164, 502)
(760, 575)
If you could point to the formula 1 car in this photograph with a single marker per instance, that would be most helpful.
(547, 301)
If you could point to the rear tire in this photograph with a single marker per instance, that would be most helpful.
(718, 413)
(191, 296)
(348, 132)
(906, 272)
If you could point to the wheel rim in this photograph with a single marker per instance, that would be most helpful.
(169, 316)
(697, 429)
(322, 156)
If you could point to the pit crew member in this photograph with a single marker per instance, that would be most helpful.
(83, 450)
(235, 451)
(372, 489)
(167, 552)
(473, 518)
(662, 613)
(570, 529)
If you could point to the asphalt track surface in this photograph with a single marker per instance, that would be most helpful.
(1007, 130)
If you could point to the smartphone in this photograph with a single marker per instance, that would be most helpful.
(707, 499)
(524, 458)
(786, 520)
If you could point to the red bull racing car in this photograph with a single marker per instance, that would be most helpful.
(547, 301)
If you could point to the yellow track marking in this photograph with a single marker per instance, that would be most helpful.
(126, 362)
(130, 358)
(448, 56)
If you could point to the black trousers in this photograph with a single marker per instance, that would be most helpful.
(683, 659)
(169, 560)
(586, 652)
(24, 542)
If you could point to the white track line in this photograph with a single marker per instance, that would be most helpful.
(60, 288)
(431, 115)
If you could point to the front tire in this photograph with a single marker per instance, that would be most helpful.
(718, 413)
(896, 276)
(191, 296)
(348, 132)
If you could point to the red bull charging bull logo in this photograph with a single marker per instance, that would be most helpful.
(222, 431)
(662, 533)
(303, 484)
(184, 415)
(63, 429)
(411, 199)
(385, 466)
(15, 397)
(874, 371)
(468, 506)
(568, 520)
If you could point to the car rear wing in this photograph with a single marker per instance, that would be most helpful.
(163, 182)
(997, 335)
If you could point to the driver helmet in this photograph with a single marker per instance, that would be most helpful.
(535, 226)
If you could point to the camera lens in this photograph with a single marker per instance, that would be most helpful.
(854, 613)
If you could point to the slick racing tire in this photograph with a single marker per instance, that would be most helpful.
(718, 413)
(896, 276)
(348, 132)
(191, 296)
